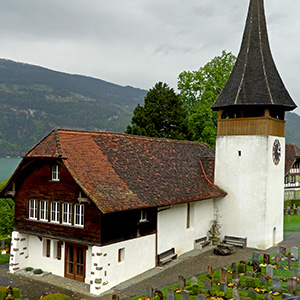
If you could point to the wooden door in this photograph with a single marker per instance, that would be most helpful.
(75, 262)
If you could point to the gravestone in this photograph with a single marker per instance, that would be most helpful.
(224, 275)
(255, 256)
(249, 274)
(3, 244)
(294, 250)
(296, 272)
(263, 280)
(278, 259)
(282, 250)
(269, 296)
(171, 295)
(208, 285)
(269, 270)
(185, 295)
(223, 287)
(252, 293)
(235, 294)
(210, 270)
(181, 282)
(289, 259)
(276, 286)
(233, 267)
(292, 285)
(200, 297)
(243, 264)
(194, 280)
(149, 291)
(266, 259)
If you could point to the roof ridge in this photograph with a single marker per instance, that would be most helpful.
(57, 141)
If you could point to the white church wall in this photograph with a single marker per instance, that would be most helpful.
(119, 262)
(173, 230)
(244, 169)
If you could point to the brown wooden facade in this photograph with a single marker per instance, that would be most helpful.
(34, 182)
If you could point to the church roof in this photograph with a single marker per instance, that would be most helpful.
(122, 172)
(255, 79)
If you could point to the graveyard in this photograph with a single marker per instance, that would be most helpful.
(274, 276)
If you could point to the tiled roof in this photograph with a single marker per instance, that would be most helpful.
(255, 79)
(292, 153)
(121, 172)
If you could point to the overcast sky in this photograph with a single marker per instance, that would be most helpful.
(141, 42)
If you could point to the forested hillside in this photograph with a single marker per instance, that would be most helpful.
(35, 100)
(292, 129)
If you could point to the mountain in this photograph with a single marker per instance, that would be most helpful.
(34, 100)
(292, 129)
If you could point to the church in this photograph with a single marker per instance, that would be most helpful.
(102, 208)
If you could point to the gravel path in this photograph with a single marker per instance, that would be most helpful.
(190, 264)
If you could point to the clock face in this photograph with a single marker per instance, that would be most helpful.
(276, 152)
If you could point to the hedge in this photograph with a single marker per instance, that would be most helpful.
(16, 293)
(57, 296)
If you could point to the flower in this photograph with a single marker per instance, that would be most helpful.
(144, 298)
(177, 291)
(9, 287)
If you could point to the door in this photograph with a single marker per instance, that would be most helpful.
(75, 262)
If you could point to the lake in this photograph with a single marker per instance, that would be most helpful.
(8, 166)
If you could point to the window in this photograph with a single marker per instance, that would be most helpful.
(33, 209)
(58, 250)
(188, 216)
(44, 210)
(55, 212)
(121, 255)
(79, 215)
(143, 216)
(47, 247)
(67, 213)
(55, 173)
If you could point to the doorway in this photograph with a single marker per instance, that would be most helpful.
(75, 262)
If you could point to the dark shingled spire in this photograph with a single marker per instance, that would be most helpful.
(255, 79)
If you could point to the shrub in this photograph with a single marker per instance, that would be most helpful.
(38, 271)
(250, 282)
(242, 268)
(16, 293)
(57, 296)
(28, 269)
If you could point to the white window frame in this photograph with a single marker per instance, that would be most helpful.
(144, 217)
(67, 213)
(55, 171)
(33, 209)
(121, 255)
(44, 208)
(79, 215)
(55, 212)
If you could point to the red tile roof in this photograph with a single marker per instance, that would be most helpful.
(292, 153)
(122, 172)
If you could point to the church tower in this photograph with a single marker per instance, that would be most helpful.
(251, 140)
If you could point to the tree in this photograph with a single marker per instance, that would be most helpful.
(7, 215)
(198, 91)
(163, 115)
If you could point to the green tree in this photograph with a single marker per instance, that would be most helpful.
(198, 91)
(163, 115)
(7, 215)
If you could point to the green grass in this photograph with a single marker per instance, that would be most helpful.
(4, 258)
(292, 223)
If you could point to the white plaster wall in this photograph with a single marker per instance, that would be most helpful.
(106, 271)
(172, 226)
(37, 260)
(19, 251)
(254, 186)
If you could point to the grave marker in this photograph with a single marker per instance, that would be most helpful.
(266, 259)
(252, 293)
(224, 275)
(171, 295)
(282, 250)
(235, 294)
(278, 259)
(208, 285)
(210, 270)
(200, 297)
(276, 286)
(185, 295)
(292, 285)
(181, 282)
(269, 271)
(255, 256)
(263, 280)
(294, 250)
(296, 272)
(149, 291)
(289, 259)
(194, 280)
(223, 287)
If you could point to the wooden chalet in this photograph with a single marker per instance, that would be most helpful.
(79, 194)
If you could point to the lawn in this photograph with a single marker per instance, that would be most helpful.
(292, 223)
(4, 258)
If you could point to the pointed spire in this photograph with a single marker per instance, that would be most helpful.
(255, 79)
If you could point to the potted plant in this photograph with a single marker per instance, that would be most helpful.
(215, 229)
